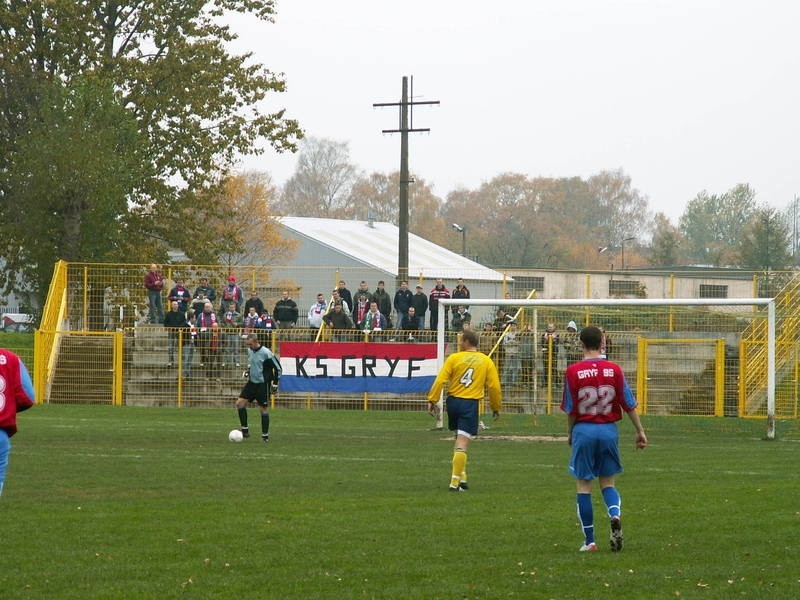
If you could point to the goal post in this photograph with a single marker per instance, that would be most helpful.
(540, 305)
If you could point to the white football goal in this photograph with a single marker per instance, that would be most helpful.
(705, 357)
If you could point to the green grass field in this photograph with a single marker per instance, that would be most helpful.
(104, 502)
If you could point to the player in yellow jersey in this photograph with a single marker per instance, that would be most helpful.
(467, 373)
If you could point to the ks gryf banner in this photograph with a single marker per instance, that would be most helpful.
(357, 367)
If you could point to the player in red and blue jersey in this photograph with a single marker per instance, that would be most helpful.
(595, 397)
(16, 395)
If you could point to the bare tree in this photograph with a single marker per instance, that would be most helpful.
(322, 182)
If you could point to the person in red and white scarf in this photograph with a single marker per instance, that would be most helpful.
(361, 308)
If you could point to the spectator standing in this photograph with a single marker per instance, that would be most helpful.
(549, 349)
(361, 308)
(215, 354)
(286, 312)
(461, 318)
(571, 347)
(232, 293)
(208, 292)
(502, 319)
(509, 310)
(205, 322)
(501, 322)
(345, 294)
(511, 365)
(189, 343)
(199, 302)
(317, 311)
(605, 344)
(419, 301)
(255, 302)
(231, 324)
(154, 283)
(363, 288)
(266, 325)
(527, 356)
(338, 320)
(439, 292)
(180, 294)
(381, 296)
(335, 297)
(402, 300)
(174, 321)
(410, 323)
(373, 321)
(251, 320)
(461, 292)
(203, 293)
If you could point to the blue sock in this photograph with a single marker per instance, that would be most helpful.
(586, 515)
(613, 501)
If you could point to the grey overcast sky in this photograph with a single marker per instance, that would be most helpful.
(683, 95)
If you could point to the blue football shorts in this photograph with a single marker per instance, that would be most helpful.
(595, 450)
(462, 416)
(5, 448)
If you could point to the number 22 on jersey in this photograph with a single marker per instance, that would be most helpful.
(596, 400)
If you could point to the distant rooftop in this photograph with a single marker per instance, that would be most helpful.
(376, 245)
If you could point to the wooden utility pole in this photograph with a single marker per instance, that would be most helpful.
(406, 127)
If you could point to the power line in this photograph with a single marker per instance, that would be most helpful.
(406, 126)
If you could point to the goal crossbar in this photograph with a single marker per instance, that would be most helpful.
(768, 302)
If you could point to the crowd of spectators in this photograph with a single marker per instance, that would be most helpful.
(214, 330)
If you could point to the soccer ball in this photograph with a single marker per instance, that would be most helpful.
(235, 436)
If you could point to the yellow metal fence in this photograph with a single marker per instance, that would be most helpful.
(148, 366)
(95, 345)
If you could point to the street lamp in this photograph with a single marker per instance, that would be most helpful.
(463, 232)
(627, 239)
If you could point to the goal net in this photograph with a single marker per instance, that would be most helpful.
(704, 357)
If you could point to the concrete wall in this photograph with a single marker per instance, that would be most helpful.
(576, 284)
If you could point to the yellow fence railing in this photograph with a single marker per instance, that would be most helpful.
(95, 345)
(753, 348)
(46, 345)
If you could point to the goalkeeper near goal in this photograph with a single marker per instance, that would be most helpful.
(467, 374)
(595, 396)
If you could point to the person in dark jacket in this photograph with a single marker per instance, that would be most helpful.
(345, 294)
(384, 301)
(419, 301)
(180, 294)
(255, 302)
(285, 312)
(338, 319)
(174, 321)
(402, 300)
(461, 292)
(208, 292)
(439, 292)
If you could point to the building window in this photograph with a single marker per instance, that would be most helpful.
(713, 291)
(524, 285)
(623, 287)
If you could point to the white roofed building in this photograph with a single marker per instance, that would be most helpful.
(331, 249)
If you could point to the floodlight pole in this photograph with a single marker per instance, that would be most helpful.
(406, 116)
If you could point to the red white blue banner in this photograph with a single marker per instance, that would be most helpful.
(357, 367)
